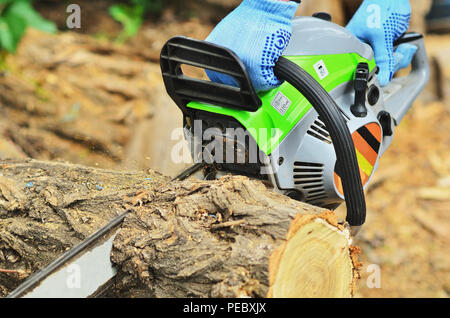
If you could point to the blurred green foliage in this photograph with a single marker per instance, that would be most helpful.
(15, 17)
(132, 16)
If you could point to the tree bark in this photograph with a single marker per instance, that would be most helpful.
(226, 238)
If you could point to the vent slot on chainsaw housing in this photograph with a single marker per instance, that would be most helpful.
(180, 51)
(309, 177)
(318, 130)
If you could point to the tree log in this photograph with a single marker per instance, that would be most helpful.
(226, 238)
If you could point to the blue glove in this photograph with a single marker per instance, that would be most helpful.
(403, 56)
(258, 31)
(379, 23)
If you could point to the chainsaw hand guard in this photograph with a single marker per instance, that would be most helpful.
(182, 89)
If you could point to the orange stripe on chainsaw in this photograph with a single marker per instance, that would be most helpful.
(365, 149)
(338, 181)
(364, 177)
(375, 130)
(367, 142)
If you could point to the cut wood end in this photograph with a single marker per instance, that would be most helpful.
(317, 260)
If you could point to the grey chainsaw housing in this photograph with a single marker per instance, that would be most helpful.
(300, 147)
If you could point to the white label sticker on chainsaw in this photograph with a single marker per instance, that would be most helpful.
(281, 103)
(321, 69)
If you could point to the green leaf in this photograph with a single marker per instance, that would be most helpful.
(150, 5)
(12, 28)
(6, 37)
(24, 9)
(5, 2)
(131, 17)
(142, 3)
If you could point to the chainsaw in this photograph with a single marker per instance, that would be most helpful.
(317, 138)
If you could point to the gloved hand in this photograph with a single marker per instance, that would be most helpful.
(403, 56)
(258, 31)
(379, 23)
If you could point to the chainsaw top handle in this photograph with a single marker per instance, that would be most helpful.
(340, 135)
(180, 51)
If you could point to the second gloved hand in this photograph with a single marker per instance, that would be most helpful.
(258, 31)
(379, 23)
